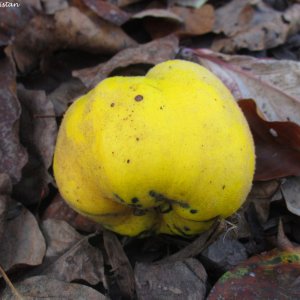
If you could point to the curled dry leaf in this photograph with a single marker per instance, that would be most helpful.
(151, 53)
(189, 3)
(120, 264)
(254, 25)
(192, 21)
(108, 11)
(22, 242)
(291, 193)
(43, 287)
(273, 84)
(69, 255)
(277, 144)
(158, 13)
(68, 28)
(59, 210)
(184, 279)
(13, 156)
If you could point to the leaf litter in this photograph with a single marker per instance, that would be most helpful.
(55, 52)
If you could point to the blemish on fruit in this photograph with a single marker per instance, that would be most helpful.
(137, 139)
(223, 187)
(112, 104)
(128, 161)
(119, 198)
(135, 200)
(186, 228)
(138, 98)
(193, 211)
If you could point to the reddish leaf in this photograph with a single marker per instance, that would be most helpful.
(277, 145)
(270, 275)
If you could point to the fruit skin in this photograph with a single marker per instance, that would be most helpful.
(135, 145)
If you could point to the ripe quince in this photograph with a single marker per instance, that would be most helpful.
(167, 152)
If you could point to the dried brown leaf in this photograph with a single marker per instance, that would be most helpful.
(5, 190)
(158, 13)
(69, 28)
(15, 18)
(59, 210)
(189, 3)
(198, 245)
(13, 156)
(22, 242)
(277, 144)
(52, 6)
(108, 11)
(272, 83)
(43, 287)
(184, 279)
(120, 264)
(291, 193)
(254, 25)
(150, 53)
(69, 255)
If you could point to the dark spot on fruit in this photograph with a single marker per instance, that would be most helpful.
(112, 105)
(161, 108)
(193, 211)
(139, 212)
(163, 209)
(223, 187)
(138, 98)
(186, 228)
(160, 197)
(128, 161)
(119, 198)
(113, 153)
(135, 200)
(137, 139)
(180, 230)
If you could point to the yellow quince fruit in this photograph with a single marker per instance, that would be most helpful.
(164, 153)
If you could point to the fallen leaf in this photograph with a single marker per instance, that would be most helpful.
(22, 243)
(151, 53)
(108, 11)
(13, 156)
(43, 287)
(15, 18)
(52, 6)
(59, 210)
(277, 144)
(272, 83)
(5, 190)
(158, 13)
(253, 25)
(65, 94)
(198, 245)
(37, 120)
(270, 275)
(193, 22)
(69, 255)
(291, 193)
(225, 252)
(184, 279)
(68, 28)
(120, 264)
(189, 3)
